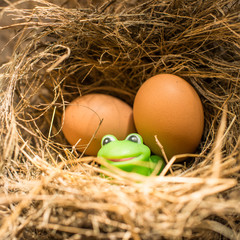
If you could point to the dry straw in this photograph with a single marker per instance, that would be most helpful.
(48, 189)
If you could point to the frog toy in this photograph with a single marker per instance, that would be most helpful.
(130, 155)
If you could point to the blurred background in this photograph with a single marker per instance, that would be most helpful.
(8, 36)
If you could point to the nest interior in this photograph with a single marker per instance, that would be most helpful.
(50, 191)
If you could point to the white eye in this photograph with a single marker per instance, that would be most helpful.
(107, 139)
(134, 137)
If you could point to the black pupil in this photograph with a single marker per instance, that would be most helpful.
(107, 140)
(133, 138)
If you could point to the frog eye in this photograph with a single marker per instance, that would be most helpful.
(107, 139)
(134, 137)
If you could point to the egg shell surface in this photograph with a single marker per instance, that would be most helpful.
(82, 117)
(169, 107)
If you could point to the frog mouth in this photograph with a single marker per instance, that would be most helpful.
(120, 159)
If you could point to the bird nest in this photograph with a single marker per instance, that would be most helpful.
(51, 191)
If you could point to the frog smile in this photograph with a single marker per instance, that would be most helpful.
(120, 159)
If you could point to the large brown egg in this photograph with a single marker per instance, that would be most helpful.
(168, 106)
(81, 121)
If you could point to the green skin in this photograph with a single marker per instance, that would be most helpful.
(130, 155)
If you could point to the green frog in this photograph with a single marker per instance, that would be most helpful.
(130, 155)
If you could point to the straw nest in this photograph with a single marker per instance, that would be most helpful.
(50, 191)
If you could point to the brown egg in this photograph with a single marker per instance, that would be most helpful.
(169, 107)
(83, 115)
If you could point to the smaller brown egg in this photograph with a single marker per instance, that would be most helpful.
(81, 121)
(168, 106)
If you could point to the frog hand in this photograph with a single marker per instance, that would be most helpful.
(158, 162)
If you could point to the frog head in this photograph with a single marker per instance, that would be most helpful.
(130, 155)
